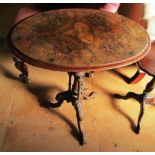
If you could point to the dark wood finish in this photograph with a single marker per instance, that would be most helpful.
(21, 66)
(141, 98)
(145, 95)
(137, 77)
(133, 11)
(148, 63)
(75, 94)
(74, 40)
(77, 41)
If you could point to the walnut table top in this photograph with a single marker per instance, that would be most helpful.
(75, 40)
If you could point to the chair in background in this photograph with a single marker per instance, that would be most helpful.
(144, 14)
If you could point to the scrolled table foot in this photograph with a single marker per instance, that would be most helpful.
(24, 78)
(74, 95)
(21, 66)
(59, 100)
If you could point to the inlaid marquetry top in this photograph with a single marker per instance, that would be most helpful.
(78, 40)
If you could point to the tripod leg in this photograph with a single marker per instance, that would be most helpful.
(77, 104)
(21, 66)
(70, 81)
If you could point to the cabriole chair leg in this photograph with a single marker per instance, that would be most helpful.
(138, 76)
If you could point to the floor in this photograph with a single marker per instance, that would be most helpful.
(107, 124)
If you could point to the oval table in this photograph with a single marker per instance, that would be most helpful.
(77, 41)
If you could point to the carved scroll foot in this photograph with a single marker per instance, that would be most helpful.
(24, 78)
(62, 96)
(74, 95)
(21, 66)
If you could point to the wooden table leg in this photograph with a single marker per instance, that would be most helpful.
(74, 95)
(78, 87)
(21, 66)
(70, 74)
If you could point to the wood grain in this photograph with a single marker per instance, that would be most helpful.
(78, 40)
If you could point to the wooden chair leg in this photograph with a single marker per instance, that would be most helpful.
(143, 97)
(137, 77)
(137, 129)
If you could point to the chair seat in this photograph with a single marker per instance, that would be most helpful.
(148, 62)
